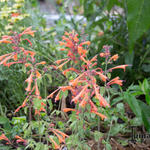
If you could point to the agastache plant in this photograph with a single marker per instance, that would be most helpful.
(33, 97)
(84, 87)
(27, 58)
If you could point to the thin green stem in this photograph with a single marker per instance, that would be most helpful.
(109, 132)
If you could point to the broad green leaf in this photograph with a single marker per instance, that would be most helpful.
(116, 100)
(145, 115)
(133, 103)
(3, 120)
(138, 19)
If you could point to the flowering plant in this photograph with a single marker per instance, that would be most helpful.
(84, 86)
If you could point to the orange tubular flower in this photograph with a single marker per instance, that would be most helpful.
(81, 51)
(52, 94)
(57, 96)
(17, 109)
(3, 56)
(62, 43)
(68, 109)
(56, 146)
(84, 101)
(38, 75)
(70, 69)
(119, 67)
(29, 80)
(101, 99)
(94, 58)
(75, 99)
(114, 57)
(20, 139)
(37, 92)
(102, 54)
(64, 88)
(93, 107)
(28, 31)
(27, 65)
(24, 102)
(61, 140)
(103, 77)
(3, 137)
(37, 112)
(15, 57)
(29, 52)
(61, 133)
(76, 38)
(75, 81)
(99, 114)
(85, 43)
(86, 61)
(115, 81)
(59, 61)
(11, 63)
(60, 66)
(6, 39)
(4, 61)
(41, 63)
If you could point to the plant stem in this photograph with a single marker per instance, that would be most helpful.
(98, 146)
(30, 111)
(109, 132)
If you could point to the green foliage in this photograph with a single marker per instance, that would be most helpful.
(140, 108)
(137, 19)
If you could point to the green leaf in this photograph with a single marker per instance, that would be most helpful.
(108, 146)
(133, 103)
(116, 129)
(145, 115)
(115, 100)
(111, 4)
(138, 20)
(3, 120)
(97, 135)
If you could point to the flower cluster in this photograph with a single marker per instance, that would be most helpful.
(84, 87)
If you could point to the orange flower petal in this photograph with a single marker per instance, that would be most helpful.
(61, 140)
(61, 133)
(68, 109)
(37, 92)
(29, 80)
(15, 57)
(103, 77)
(56, 146)
(85, 43)
(99, 114)
(52, 94)
(120, 67)
(38, 75)
(41, 63)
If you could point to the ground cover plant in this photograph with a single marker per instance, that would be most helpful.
(60, 89)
